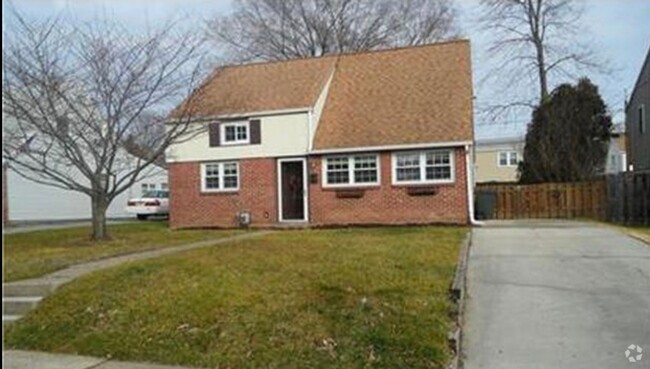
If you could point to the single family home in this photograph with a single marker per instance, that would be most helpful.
(616, 161)
(376, 137)
(497, 159)
(636, 121)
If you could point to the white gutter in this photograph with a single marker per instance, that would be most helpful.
(430, 145)
(469, 178)
(251, 114)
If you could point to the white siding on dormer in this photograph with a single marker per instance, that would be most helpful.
(282, 135)
(318, 109)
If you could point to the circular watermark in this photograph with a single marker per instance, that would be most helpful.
(634, 353)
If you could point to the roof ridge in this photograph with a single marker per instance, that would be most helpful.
(337, 56)
(401, 48)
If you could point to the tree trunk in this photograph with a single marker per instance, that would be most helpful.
(99, 207)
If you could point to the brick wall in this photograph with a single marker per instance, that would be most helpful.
(189, 208)
(385, 204)
(390, 204)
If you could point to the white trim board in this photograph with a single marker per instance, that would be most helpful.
(431, 145)
(211, 118)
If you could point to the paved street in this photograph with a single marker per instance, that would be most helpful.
(556, 295)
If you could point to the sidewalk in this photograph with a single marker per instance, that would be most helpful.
(16, 359)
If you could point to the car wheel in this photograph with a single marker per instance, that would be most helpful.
(142, 217)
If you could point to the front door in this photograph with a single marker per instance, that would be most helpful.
(292, 192)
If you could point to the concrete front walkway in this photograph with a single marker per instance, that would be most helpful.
(66, 275)
(556, 295)
(38, 287)
(21, 296)
(15, 359)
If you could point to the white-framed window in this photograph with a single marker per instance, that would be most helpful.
(235, 133)
(508, 159)
(219, 176)
(354, 170)
(642, 125)
(421, 167)
(146, 187)
(164, 186)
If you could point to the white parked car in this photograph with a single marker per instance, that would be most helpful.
(154, 202)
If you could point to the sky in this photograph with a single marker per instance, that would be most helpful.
(618, 29)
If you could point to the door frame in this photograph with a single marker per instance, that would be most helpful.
(305, 192)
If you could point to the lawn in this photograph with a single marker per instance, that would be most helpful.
(37, 253)
(640, 232)
(345, 298)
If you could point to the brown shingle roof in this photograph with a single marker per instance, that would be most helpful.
(420, 94)
(263, 86)
(403, 96)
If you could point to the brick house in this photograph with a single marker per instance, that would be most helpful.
(379, 137)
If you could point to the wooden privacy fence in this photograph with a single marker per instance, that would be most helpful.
(628, 198)
(546, 200)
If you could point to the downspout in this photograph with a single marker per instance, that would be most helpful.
(469, 178)
(310, 117)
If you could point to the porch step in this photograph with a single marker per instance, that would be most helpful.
(19, 304)
(8, 319)
(26, 289)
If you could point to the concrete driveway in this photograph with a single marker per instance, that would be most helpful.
(556, 295)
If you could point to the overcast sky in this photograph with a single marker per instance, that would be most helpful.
(620, 30)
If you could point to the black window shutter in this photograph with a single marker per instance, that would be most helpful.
(213, 129)
(256, 134)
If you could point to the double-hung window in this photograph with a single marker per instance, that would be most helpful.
(423, 167)
(508, 159)
(235, 133)
(355, 170)
(222, 176)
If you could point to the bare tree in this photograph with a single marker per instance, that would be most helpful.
(286, 29)
(535, 41)
(73, 95)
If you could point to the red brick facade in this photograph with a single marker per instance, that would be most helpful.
(190, 208)
(384, 204)
(389, 204)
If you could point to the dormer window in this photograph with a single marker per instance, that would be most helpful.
(235, 133)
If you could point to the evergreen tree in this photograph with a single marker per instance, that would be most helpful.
(568, 138)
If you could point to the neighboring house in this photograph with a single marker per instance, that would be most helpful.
(28, 201)
(636, 121)
(497, 159)
(379, 137)
(616, 154)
